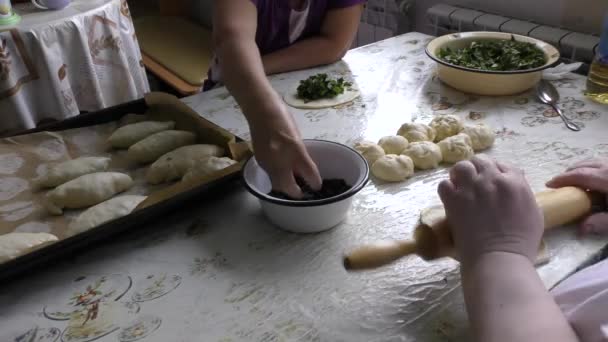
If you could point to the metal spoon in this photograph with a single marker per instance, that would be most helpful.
(547, 93)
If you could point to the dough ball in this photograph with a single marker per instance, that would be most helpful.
(393, 144)
(456, 148)
(206, 167)
(414, 132)
(425, 154)
(393, 168)
(446, 126)
(370, 151)
(482, 136)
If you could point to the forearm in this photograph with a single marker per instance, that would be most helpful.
(298, 56)
(507, 301)
(244, 77)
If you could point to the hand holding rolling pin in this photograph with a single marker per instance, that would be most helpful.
(497, 193)
(491, 208)
(591, 175)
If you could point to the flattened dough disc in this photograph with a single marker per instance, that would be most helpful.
(292, 100)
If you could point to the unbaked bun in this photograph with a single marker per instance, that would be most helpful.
(425, 154)
(393, 168)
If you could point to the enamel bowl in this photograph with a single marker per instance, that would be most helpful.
(334, 160)
(481, 82)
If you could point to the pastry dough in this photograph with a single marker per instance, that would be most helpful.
(70, 169)
(103, 212)
(157, 144)
(415, 132)
(393, 168)
(86, 191)
(482, 136)
(446, 126)
(174, 165)
(370, 151)
(13, 245)
(128, 135)
(206, 167)
(293, 100)
(393, 144)
(456, 148)
(425, 154)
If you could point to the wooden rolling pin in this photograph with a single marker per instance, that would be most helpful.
(433, 240)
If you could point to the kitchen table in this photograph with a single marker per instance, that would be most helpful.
(218, 271)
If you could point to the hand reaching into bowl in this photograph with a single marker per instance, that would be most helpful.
(591, 175)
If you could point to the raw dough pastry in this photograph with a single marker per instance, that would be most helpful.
(175, 164)
(291, 99)
(157, 144)
(393, 144)
(415, 132)
(446, 126)
(425, 154)
(103, 212)
(207, 166)
(86, 191)
(70, 169)
(393, 168)
(482, 136)
(456, 148)
(128, 135)
(370, 151)
(13, 245)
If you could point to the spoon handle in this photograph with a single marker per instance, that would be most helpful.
(571, 125)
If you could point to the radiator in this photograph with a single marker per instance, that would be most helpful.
(573, 46)
(383, 19)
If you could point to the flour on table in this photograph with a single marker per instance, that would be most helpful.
(16, 211)
(33, 227)
(11, 187)
(10, 163)
(51, 149)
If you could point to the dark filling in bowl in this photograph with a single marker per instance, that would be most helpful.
(330, 188)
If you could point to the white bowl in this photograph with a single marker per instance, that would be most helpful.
(334, 160)
(482, 82)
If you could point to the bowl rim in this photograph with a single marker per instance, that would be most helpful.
(551, 60)
(314, 203)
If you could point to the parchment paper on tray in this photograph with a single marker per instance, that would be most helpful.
(25, 158)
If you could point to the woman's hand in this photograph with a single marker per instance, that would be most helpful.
(590, 175)
(279, 150)
(491, 208)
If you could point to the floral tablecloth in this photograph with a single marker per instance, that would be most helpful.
(218, 271)
(56, 64)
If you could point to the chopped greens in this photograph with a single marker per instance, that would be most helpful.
(495, 55)
(320, 86)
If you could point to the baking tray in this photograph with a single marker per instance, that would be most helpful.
(178, 196)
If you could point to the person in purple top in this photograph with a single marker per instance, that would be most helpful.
(255, 38)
